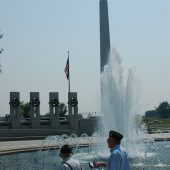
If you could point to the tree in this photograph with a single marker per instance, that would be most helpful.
(25, 109)
(163, 109)
(62, 110)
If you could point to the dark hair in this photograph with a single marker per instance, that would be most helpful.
(66, 149)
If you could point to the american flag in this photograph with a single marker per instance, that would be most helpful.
(66, 70)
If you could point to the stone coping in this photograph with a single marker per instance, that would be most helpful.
(15, 146)
(19, 146)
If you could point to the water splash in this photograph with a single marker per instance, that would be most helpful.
(120, 98)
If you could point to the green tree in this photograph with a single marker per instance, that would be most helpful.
(25, 109)
(62, 110)
(47, 114)
(163, 109)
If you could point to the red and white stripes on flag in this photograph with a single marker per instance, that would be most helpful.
(66, 70)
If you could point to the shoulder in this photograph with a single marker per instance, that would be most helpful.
(123, 151)
(116, 152)
(63, 166)
(73, 161)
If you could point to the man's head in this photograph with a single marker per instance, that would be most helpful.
(114, 138)
(65, 151)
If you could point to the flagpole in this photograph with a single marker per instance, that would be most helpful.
(68, 73)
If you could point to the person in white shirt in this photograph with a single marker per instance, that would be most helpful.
(68, 162)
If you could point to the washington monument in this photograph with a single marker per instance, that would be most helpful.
(104, 34)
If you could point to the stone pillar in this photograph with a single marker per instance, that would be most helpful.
(54, 110)
(72, 104)
(73, 112)
(35, 110)
(15, 110)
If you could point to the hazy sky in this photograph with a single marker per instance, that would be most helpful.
(38, 34)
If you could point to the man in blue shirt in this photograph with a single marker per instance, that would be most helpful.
(118, 159)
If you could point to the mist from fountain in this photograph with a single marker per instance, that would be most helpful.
(120, 99)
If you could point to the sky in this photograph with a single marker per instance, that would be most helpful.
(38, 34)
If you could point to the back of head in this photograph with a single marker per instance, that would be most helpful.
(66, 149)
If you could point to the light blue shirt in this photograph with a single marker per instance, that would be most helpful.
(118, 159)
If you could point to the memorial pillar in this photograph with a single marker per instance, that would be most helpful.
(54, 110)
(73, 112)
(35, 110)
(15, 110)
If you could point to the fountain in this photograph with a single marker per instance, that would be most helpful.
(120, 100)
(120, 107)
(86, 149)
(120, 103)
(120, 96)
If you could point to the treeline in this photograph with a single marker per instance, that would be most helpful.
(162, 111)
(25, 110)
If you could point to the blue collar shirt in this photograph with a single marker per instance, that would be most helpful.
(118, 159)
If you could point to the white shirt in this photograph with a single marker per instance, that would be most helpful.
(75, 164)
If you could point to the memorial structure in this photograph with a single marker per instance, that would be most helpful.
(15, 126)
(37, 125)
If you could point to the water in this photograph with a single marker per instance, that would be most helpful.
(120, 104)
(120, 97)
(156, 156)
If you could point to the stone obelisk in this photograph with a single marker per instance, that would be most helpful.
(104, 34)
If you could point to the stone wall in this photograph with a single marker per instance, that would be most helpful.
(75, 125)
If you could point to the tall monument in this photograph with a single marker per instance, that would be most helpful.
(104, 34)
